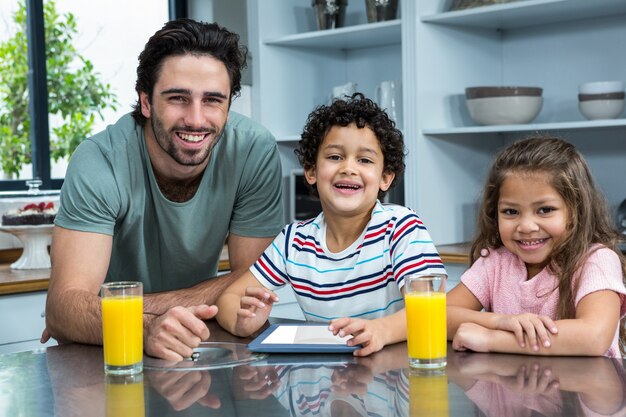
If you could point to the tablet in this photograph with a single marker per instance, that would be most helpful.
(302, 337)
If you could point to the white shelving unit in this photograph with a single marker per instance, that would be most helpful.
(296, 66)
(554, 44)
(360, 36)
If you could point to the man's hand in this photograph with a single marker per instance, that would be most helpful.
(184, 389)
(173, 335)
(45, 336)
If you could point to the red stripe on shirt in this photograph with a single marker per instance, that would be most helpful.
(418, 264)
(343, 289)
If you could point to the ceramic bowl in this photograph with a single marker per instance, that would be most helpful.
(601, 109)
(503, 105)
(605, 96)
(502, 91)
(601, 87)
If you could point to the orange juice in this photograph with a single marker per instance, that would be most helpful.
(429, 394)
(125, 397)
(426, 325)
(122, 330)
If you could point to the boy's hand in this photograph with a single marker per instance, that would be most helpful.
(529, 326)
(255, 382)
(256, 306)
(367, 333)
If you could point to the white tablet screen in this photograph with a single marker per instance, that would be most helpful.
(308, 335)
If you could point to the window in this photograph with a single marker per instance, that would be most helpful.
(87, 65)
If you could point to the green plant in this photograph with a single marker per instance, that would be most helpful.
(75, 93)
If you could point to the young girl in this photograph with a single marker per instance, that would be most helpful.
(545, 267)
(347, 266)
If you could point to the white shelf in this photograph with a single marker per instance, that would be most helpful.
(351, 37)
(593, 124)
(529, 13)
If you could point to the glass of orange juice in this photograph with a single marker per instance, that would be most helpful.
(425, 302)
(122, 327)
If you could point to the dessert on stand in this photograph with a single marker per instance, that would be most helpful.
(29, 216)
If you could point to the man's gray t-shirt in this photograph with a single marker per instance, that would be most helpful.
(110, 188)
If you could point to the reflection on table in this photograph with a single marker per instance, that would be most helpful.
(518, 385)
(68, 380)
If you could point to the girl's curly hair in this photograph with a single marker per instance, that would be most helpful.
(364, 113)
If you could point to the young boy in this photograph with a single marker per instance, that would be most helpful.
(346, 266)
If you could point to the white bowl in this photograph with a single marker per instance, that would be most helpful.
(601, 109)
(601, 87)
(504, 110)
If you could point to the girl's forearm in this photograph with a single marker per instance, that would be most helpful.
(459, 315)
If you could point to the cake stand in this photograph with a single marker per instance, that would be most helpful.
(36, 240)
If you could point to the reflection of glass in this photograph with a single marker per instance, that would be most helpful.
(425, 301)
(124, 396)
(429, 393)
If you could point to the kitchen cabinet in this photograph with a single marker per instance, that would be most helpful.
(553, 44)
(22, 321)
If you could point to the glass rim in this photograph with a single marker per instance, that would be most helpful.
(428, 277)
(122, 284)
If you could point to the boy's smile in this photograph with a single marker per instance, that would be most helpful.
(532, 219)
(349, 171)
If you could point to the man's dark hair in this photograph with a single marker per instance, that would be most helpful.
(186, 36)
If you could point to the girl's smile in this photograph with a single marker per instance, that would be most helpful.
(532, 219)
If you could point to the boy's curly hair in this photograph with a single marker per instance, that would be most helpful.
(364, 113)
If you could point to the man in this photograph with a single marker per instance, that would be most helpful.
(154, 196)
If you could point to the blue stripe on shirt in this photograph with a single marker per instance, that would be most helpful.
(397, 300)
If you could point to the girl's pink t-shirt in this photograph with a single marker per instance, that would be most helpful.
(499, 282)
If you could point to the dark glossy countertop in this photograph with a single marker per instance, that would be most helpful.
(68, 380)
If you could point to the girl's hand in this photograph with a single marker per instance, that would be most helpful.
(367, 333)
(529, 326)
(532, 379)
(471, 336)
(256, 306)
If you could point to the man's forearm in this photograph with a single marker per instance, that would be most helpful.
(206, 292)
(75, 316)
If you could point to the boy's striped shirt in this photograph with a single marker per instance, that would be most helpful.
(365, 279)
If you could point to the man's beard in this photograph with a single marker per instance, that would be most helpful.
(182, 156)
